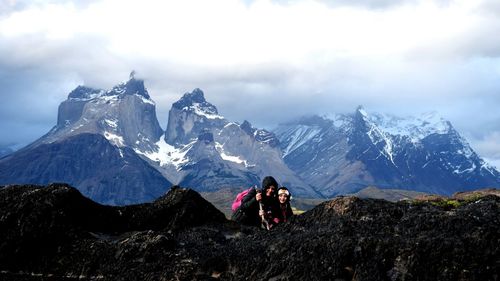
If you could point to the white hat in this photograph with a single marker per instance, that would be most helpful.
(283, 191)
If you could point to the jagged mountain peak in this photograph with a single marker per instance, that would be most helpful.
(133, 86)
(361, 109)
(195, 102)
(84, 93)
(196, 95)
(189, 116)
(189, 98)
(260, 135)
(247, 127)
(421, 153)
(361, 114)
(132, 74)
(414, 127)
(125, 115)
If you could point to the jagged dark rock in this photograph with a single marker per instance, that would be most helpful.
(54, 233)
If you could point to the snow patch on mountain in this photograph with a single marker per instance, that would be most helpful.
(201, 110)
(105, 99)
(377, 135)
(236, 159)
(83, 93)
(113, 123)
(167, 154)
(114, 139)
(415, 128)
(467, 170)
(145, 100)
(119, 89)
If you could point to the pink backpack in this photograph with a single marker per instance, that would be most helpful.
(237, 202)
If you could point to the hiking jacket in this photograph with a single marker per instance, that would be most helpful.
(248, 212)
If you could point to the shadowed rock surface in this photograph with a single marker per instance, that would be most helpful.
(54, 233)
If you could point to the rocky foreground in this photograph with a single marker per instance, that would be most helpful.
(54, 233)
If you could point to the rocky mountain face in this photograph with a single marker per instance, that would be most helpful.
(54, 233)
(93, 147)
(346, 153)
(124, 115)
(109, 144)
(102, 171)
(213, 153)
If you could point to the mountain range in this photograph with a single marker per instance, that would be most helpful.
(347, 152)
(109, 145)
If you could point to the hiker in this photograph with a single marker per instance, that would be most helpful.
(284, 212)
(257, 206)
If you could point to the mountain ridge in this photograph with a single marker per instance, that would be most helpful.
(315, 157)
(345, 153)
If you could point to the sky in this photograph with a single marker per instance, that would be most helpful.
(263, 61)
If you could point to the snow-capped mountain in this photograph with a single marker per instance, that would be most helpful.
(345, 153)
(204, 150)
(124, 115)
(110, 146)
(93, 145)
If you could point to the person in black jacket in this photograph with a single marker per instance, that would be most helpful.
(249, 212)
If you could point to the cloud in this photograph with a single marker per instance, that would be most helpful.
(488, 146)
(368, 4)
(263, 61)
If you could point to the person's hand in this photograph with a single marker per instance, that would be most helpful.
(258, 196)
(261, 213)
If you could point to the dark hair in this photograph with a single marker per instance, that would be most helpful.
(267, 182)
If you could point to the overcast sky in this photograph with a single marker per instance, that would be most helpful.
(263, 61)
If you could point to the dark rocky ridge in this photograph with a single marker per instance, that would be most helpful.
(55, 233)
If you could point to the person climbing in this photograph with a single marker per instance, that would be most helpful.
(284, 212)
(257, 206)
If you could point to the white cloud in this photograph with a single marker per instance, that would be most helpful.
(261, 60)
(489, 146)
(228, 32)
